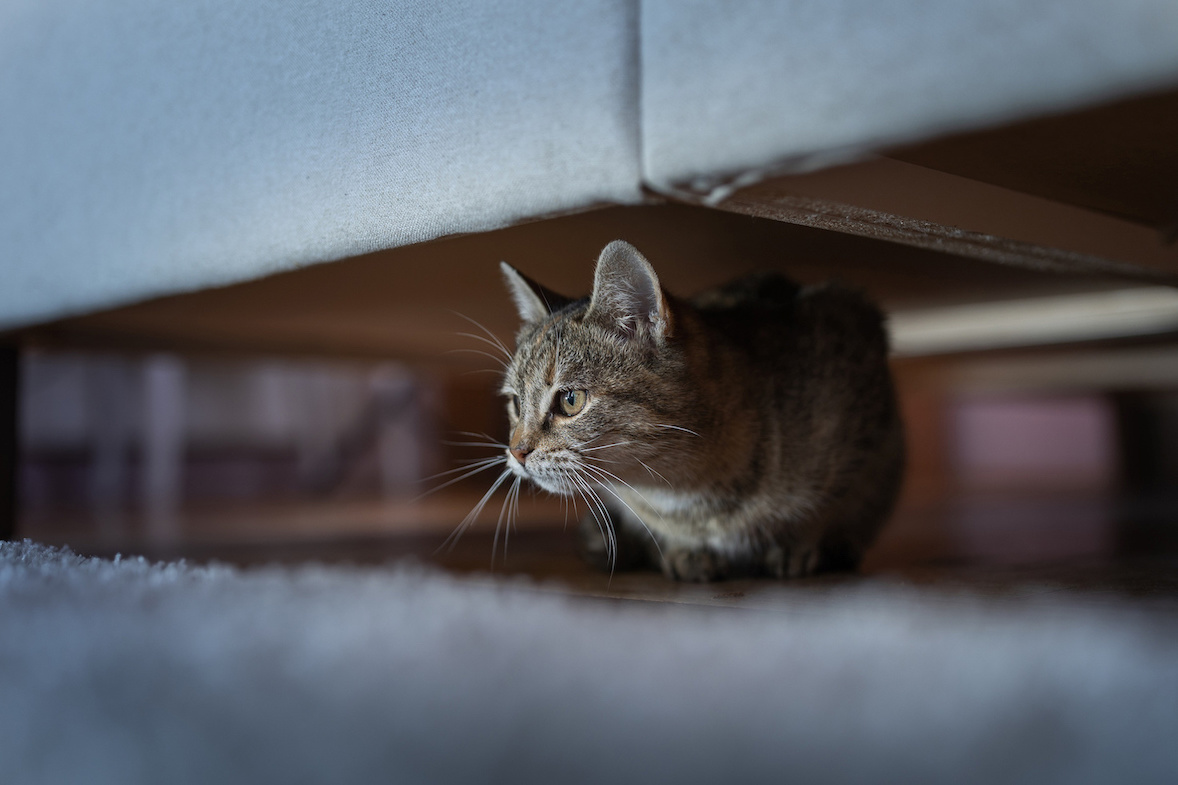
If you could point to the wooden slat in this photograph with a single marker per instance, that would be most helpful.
(908, 204)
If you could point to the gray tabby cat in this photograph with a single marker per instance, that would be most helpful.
(751, 430)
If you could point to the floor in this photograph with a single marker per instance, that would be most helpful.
(1090, 547)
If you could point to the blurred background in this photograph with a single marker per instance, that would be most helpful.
(320, 407)
(243, 244)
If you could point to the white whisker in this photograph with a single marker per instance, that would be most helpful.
(496, 445)
(607, 519)
(612, 542)
(653, 472)
(472, 461)
(610, 477)
(600, 515)
(513, 513)
(466, 465)
(495, 338)
(471, 473)
(499, 360)
(637, 517)
(606, 446)
(471, 516)
(676, 428)
(504, 512)
(599, 460)
(595, 438)
(493, 344)
(478, 435)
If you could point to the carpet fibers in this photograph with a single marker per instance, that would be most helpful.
(126, 671)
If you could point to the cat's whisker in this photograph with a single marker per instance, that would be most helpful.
(513, 511)
(654, 472)
(676, 428)
(599, 460)
(576, 490)
(573, 501)
(607, 446)
(504, 513)
(556, 346)
(495, 338)
(472, 461)
(607, 520)
(600, 516)
(496, 445)
(612, 544)
(502, 364)
(595, 438)
(465, 465)
(622, 501)
(513, 517)
(470, 473)
(471, 516)
(493, 344)
(610, 477)
(479, 435)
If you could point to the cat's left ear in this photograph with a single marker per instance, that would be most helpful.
(627, 295)
(533, 301)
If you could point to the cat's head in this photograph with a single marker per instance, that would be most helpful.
(596, 387)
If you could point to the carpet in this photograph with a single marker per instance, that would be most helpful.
(125, 671)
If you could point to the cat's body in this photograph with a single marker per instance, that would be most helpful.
(751, 430)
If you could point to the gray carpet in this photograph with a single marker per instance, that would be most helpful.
(129, 672)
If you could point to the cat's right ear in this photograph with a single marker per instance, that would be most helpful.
(533, 301)
(627, 295)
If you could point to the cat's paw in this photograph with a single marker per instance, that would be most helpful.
(698, 566)
(795, 562)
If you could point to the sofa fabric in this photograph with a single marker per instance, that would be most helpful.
(154, 147)
(157, 147)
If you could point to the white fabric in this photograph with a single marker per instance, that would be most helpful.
(151, 147)
(731, 89)
(124, 672)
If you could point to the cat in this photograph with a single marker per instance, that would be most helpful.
(751, 430)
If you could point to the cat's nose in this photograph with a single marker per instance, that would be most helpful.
(521, 453)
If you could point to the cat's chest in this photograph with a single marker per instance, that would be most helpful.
(666, 502)
(696, 514)
(675, 515)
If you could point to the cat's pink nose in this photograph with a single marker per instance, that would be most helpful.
(521, 453)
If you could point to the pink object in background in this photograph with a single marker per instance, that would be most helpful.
(1033, 442)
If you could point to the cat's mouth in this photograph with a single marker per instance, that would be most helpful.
(541, 476)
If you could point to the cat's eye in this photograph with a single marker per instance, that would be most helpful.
(515, 405)
(571, 402)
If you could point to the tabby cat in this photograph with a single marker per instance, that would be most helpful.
(751, 430)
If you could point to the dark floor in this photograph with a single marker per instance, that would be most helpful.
(1089, 547)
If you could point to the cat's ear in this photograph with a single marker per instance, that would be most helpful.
(627, 295)
(533, 301)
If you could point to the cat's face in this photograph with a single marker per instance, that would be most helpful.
(592, 387)
(573, 404)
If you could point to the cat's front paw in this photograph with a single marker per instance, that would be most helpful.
(698, 566)
(796, 562)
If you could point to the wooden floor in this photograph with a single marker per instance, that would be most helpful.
(1089, 548)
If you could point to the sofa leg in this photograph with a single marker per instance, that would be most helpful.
(9, 398)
